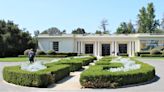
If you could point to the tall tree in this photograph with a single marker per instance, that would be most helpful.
(125, 28)
(146, 20)
(103, 26)
(78, 31)
(13, 40)
(52, 31)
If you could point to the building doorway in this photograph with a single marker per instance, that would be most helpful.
(88, 48)
(122, 48)
(105, 49)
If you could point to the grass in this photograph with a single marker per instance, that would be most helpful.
(21, 59)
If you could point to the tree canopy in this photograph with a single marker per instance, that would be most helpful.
(13, 40)
(146, 20)
(78, 31)
(125, 28)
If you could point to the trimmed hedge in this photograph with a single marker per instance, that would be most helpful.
(155, 52)
(40, 52)
(123, 54)
(68, 54)
(149, 55)
(53, 56)
(75, 63)
(51, 52)
(142, 52)
(98, 77)
(41, 78)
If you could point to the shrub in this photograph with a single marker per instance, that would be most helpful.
(26, 52)
(40, 52)
(149, 55)
(68, 54)
(142, 52)
(98, 77)
(50, 52)
(41, 78)
(155, 51)
(123, 54)
(75, 63)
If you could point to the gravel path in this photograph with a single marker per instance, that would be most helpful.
(72, 84)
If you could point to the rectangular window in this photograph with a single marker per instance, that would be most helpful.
(56, 46)
(88, 48)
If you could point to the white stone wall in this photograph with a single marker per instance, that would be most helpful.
(65, 45)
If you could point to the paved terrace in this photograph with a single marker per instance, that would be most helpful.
(71, 83)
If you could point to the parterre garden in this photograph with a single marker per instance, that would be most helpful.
(54, 72)
(97, 76)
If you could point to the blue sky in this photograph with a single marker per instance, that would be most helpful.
(70, 14)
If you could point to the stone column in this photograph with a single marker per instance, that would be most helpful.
(112, 48)
(116, 48)
(95, 48)
(98, 52)
(129, 48)
(82, 51)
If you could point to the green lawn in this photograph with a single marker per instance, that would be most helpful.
(21, 59)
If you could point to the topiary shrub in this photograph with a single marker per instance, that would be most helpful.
(41, 78)
(26, 52)
(40, 52)
(155, 51)
(51, 52)
(98, 76)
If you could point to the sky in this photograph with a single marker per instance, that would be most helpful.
(71, 14)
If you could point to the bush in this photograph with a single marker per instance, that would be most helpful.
(68, 54)
(123, 54)
(98, 77)
(26, 52)
(40, 52)
(41, 78)
(75, 63)
(149, 55)
(142, 52)
(51, 52)
(155, 51)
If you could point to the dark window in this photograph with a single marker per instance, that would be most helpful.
(122, 48)
(56, 46)
(105, 49)
(88, 48)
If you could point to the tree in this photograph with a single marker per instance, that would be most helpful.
(52, 31)
(36, 32)
(78, 31)
(162, 23)
(146, 20)
(125, 28)
(13, 40)
(103, 25)
(98, 32)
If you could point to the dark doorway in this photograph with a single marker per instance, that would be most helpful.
(105, 49)
(88, 48)
(122, 48)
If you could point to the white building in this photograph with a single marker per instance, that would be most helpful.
(100, 44)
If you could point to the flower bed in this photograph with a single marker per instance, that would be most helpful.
(41, 78)
(98, 76)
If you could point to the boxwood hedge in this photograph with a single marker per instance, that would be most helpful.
(41, 78)
(75, 63)
(98, 77)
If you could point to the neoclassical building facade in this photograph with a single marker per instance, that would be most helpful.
(101, 44)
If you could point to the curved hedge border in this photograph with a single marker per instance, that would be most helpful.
(98, 77)
(42, 78)
(75, 63)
